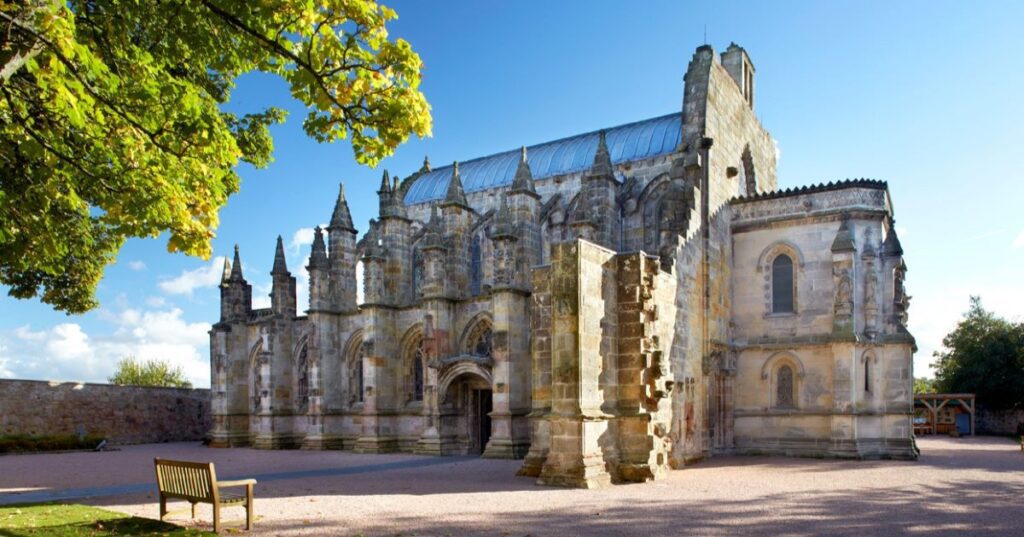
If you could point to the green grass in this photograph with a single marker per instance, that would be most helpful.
(72, 520)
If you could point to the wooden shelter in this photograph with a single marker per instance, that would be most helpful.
(941, 410)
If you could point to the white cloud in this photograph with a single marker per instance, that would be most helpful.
(208, 275)
(67, 352)
(136, 265)
(1019, 241)
(156, 301)
(302, 237)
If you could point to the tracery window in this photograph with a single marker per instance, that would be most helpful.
(782, 284)
(302, 381)
(475, 266)
(417, 273)
(784, 387)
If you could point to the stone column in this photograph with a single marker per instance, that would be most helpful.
(540, 388)
(575, 458)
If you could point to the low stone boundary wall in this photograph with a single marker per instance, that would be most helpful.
(999, 421)
(123, 414)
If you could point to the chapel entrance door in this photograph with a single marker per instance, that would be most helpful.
(465, 414)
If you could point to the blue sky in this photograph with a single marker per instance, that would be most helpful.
(924, 95)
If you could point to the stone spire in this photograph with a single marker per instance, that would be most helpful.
(892, 247)
(318, 256)
(341, 218)
(280, 267)
(385, 183)
(226, 275)
(844, 239)
(602, 166)
(426, 164)
(455, 194)
(523, 181)
(236, 268)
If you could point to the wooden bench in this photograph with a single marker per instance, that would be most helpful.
(196, 482)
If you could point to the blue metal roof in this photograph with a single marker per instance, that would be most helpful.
(626, 143)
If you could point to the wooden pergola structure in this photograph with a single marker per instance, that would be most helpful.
(935, 402)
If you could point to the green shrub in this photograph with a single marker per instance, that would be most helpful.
(23, 443)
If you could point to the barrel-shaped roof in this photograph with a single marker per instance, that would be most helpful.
(626, 143)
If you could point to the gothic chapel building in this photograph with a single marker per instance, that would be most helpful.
(605, 306)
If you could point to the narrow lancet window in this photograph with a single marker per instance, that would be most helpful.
(782, 284)
(784, 387)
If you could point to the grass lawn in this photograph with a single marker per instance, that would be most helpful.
(73, 520)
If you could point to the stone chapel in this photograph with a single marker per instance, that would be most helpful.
(605, 307)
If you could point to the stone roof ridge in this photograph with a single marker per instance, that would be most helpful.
(811, 189)
(280, 267)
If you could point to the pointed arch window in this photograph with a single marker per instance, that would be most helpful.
(417, 375)
(479, 340)
(782, 284)
(475, 266)
(355, 374)
(784, 387)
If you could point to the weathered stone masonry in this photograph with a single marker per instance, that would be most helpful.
(606, 306)
(122, 414)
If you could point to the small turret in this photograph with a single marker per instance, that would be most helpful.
(892, 247)
(504, 238)
(374, 258)
(340, 291)
(523, 181)
(282, 293)
(602, 165)
(319, 273)
(235, 293)
(434, 253)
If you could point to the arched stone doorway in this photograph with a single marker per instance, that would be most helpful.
(465, 408)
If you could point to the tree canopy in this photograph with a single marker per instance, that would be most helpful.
(132, 372)
(984, 355)
(112, 125)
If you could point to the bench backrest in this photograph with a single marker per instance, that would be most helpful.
(194, 481)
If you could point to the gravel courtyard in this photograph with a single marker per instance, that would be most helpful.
(969, 486)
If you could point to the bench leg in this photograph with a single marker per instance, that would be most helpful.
(216, 518)
(248, 507)
(193, 510)
(163, 506)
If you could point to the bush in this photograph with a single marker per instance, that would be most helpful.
(23, 443)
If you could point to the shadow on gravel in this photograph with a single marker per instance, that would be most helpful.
(965, 508)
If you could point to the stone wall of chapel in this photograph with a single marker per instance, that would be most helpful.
(731, 123)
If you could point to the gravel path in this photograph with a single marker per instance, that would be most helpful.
(969, 486)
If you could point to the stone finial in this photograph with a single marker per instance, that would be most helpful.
(523, 181)
(236, 267)
(432, 231)
(844, 239)
(892, 247)
(318, 255)
(341, 218)
(226, 275)
(503, 225)
(394, 184)
(385, 183)
(426, 164)
(280, 267)
(602, 166)
(373, 248)
(455, 194)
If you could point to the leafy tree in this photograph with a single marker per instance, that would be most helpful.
(111, 123)
(131, 372)
(985, 356)
(924, 385)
